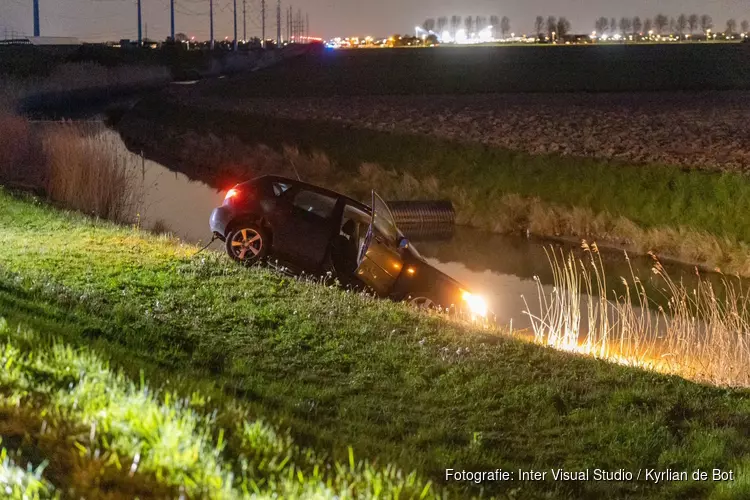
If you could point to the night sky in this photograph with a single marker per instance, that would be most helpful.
(98, 20)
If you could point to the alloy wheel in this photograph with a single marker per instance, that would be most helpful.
(247, 244)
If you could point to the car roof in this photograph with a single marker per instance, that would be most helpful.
(333, 194)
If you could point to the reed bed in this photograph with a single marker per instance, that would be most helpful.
(89, 172)
(81, 166)
(697, 336)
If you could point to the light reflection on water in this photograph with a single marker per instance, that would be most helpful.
(177, 204)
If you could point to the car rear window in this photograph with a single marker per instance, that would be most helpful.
(315, 203)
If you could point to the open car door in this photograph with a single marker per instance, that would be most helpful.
(379, 262)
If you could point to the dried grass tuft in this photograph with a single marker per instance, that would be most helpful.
(90, 173)
(697, 336)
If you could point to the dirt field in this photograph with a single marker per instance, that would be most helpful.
(704, 130)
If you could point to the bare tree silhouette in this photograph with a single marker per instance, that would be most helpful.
(601, 25)
(626, 25)
(469, 25)
(505, 26)
(441, 23)
(637, 24)
(551, 26)
(539, 25)
(660, 22)
(682, 24)
(693, 22)
(455, 24)
(495, 23)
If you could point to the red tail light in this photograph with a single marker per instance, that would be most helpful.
(232, 193)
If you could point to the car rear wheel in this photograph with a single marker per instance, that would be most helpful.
(423, 302)
(248, 243)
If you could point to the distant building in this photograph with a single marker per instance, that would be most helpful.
(43, 41)
(54, 40)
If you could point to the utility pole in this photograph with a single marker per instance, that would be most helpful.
(244, 20)
(211, 20)
(171, 6)
(140, 19)
(36, 18)
(235, 26)
(263, 22)
(278, 23)
(307, 28)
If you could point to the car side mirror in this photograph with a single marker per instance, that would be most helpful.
(403, 243)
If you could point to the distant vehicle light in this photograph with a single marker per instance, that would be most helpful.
(411, 271)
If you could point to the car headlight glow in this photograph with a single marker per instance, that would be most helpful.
(476, 304)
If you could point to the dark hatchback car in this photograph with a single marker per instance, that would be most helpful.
(315, 230)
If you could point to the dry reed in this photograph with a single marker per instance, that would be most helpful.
(89, 172)
(698, 336)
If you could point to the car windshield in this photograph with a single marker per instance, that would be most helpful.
(383, 219)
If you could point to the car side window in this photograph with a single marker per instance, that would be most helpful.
(314, 203)
(280, 188)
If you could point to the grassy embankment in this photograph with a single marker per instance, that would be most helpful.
(690, 215)
(335, 369)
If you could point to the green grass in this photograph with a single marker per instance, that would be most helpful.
(652, 196)
(101, 435)
(333, 369)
